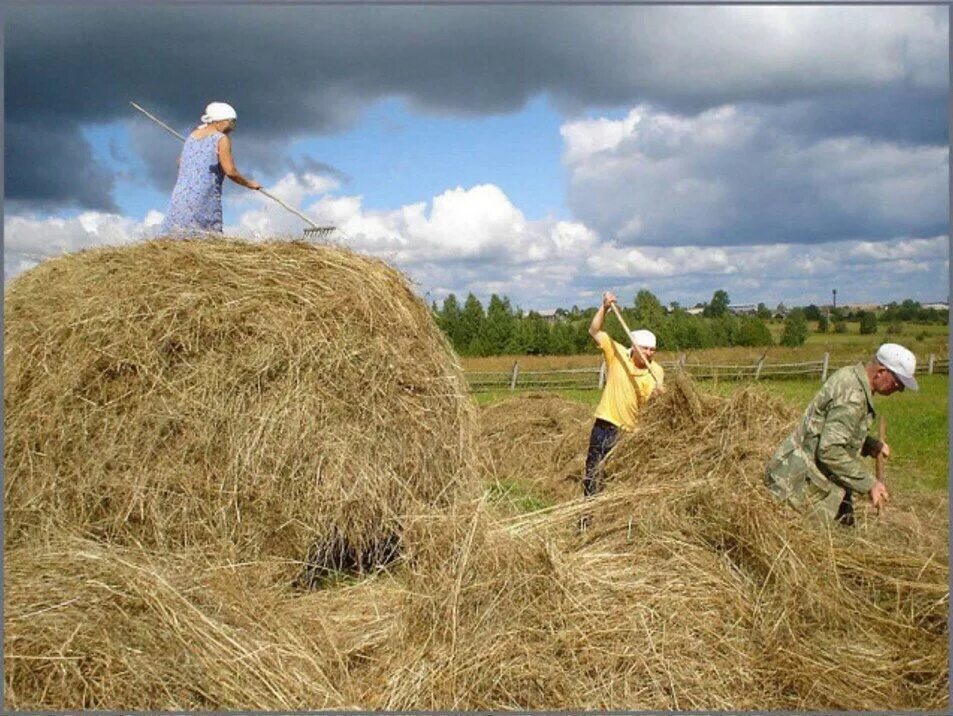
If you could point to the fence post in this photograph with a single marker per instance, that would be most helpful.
(514, 375)
(681, 359)
(930, 366)
(602, 374)
(827, 357)
(757, 371)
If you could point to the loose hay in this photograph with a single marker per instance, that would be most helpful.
(98, 626)
(253, 398)
(538, 440)
(692, 589)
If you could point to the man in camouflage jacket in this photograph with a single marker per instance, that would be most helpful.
(818, 467)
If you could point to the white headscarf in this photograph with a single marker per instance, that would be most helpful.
(217, 112)
(643, 338)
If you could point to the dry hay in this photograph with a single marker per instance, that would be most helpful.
(538, 440)
(250, 398)
(692, 589)
(97, 626)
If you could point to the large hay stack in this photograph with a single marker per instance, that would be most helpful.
(250, 398)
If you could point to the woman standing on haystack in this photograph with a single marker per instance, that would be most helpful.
(206, 160)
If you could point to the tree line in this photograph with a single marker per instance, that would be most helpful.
(499, 329)
(503, 330)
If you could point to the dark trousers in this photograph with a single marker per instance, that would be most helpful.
(602, 439)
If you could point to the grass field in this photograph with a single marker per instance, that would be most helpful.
(917, 424)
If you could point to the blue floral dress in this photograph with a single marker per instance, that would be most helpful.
(196, 203)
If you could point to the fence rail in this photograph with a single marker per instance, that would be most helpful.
(594, 378)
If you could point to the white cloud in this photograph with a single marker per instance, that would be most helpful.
(28, 240)
(476, 240)
(729, 176)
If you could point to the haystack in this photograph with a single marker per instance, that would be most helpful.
(251, 398)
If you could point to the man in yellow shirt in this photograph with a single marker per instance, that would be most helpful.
(629, 383)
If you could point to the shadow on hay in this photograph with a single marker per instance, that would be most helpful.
(329, 560)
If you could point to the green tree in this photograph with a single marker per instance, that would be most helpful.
(499, 326)
(812, 313)
(471, 326)
(449, 321)
(764, 313)
(718, 306)
(868, 323)
(534, 334)
(795, 329)
(649, 311)
(753, 332)
(561, 339)
(823, 325)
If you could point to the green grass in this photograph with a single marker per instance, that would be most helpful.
(589, 397)
(917, 423)
(515, 497)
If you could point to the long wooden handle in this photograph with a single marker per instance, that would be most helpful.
(158, 121)
(628, 334)
(293, 211)
(881, 469)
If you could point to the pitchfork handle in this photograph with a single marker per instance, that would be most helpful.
(881, 468)
(628, 334)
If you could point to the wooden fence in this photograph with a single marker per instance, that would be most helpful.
(594, 378)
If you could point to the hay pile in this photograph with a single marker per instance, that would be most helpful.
(252, 399)
(534, 439)
(691, 590)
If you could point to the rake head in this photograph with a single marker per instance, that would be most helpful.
(320, 232)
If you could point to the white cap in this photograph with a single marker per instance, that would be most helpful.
(217, 112)
(899, 361)
(643, 338)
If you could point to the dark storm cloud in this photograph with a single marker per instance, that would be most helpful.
(292, 71)
(46, 167)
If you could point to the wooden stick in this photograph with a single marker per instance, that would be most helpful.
(881, 468)
(158, 121)
(293, 211)
(628, 334)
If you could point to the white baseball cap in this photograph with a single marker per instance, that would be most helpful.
(899, 361)
(217, 112)
(643, 338)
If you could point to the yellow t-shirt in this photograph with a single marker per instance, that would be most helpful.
(620, 402)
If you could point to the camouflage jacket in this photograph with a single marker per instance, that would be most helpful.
(820, 459)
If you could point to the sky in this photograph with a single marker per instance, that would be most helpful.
(544, 153)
